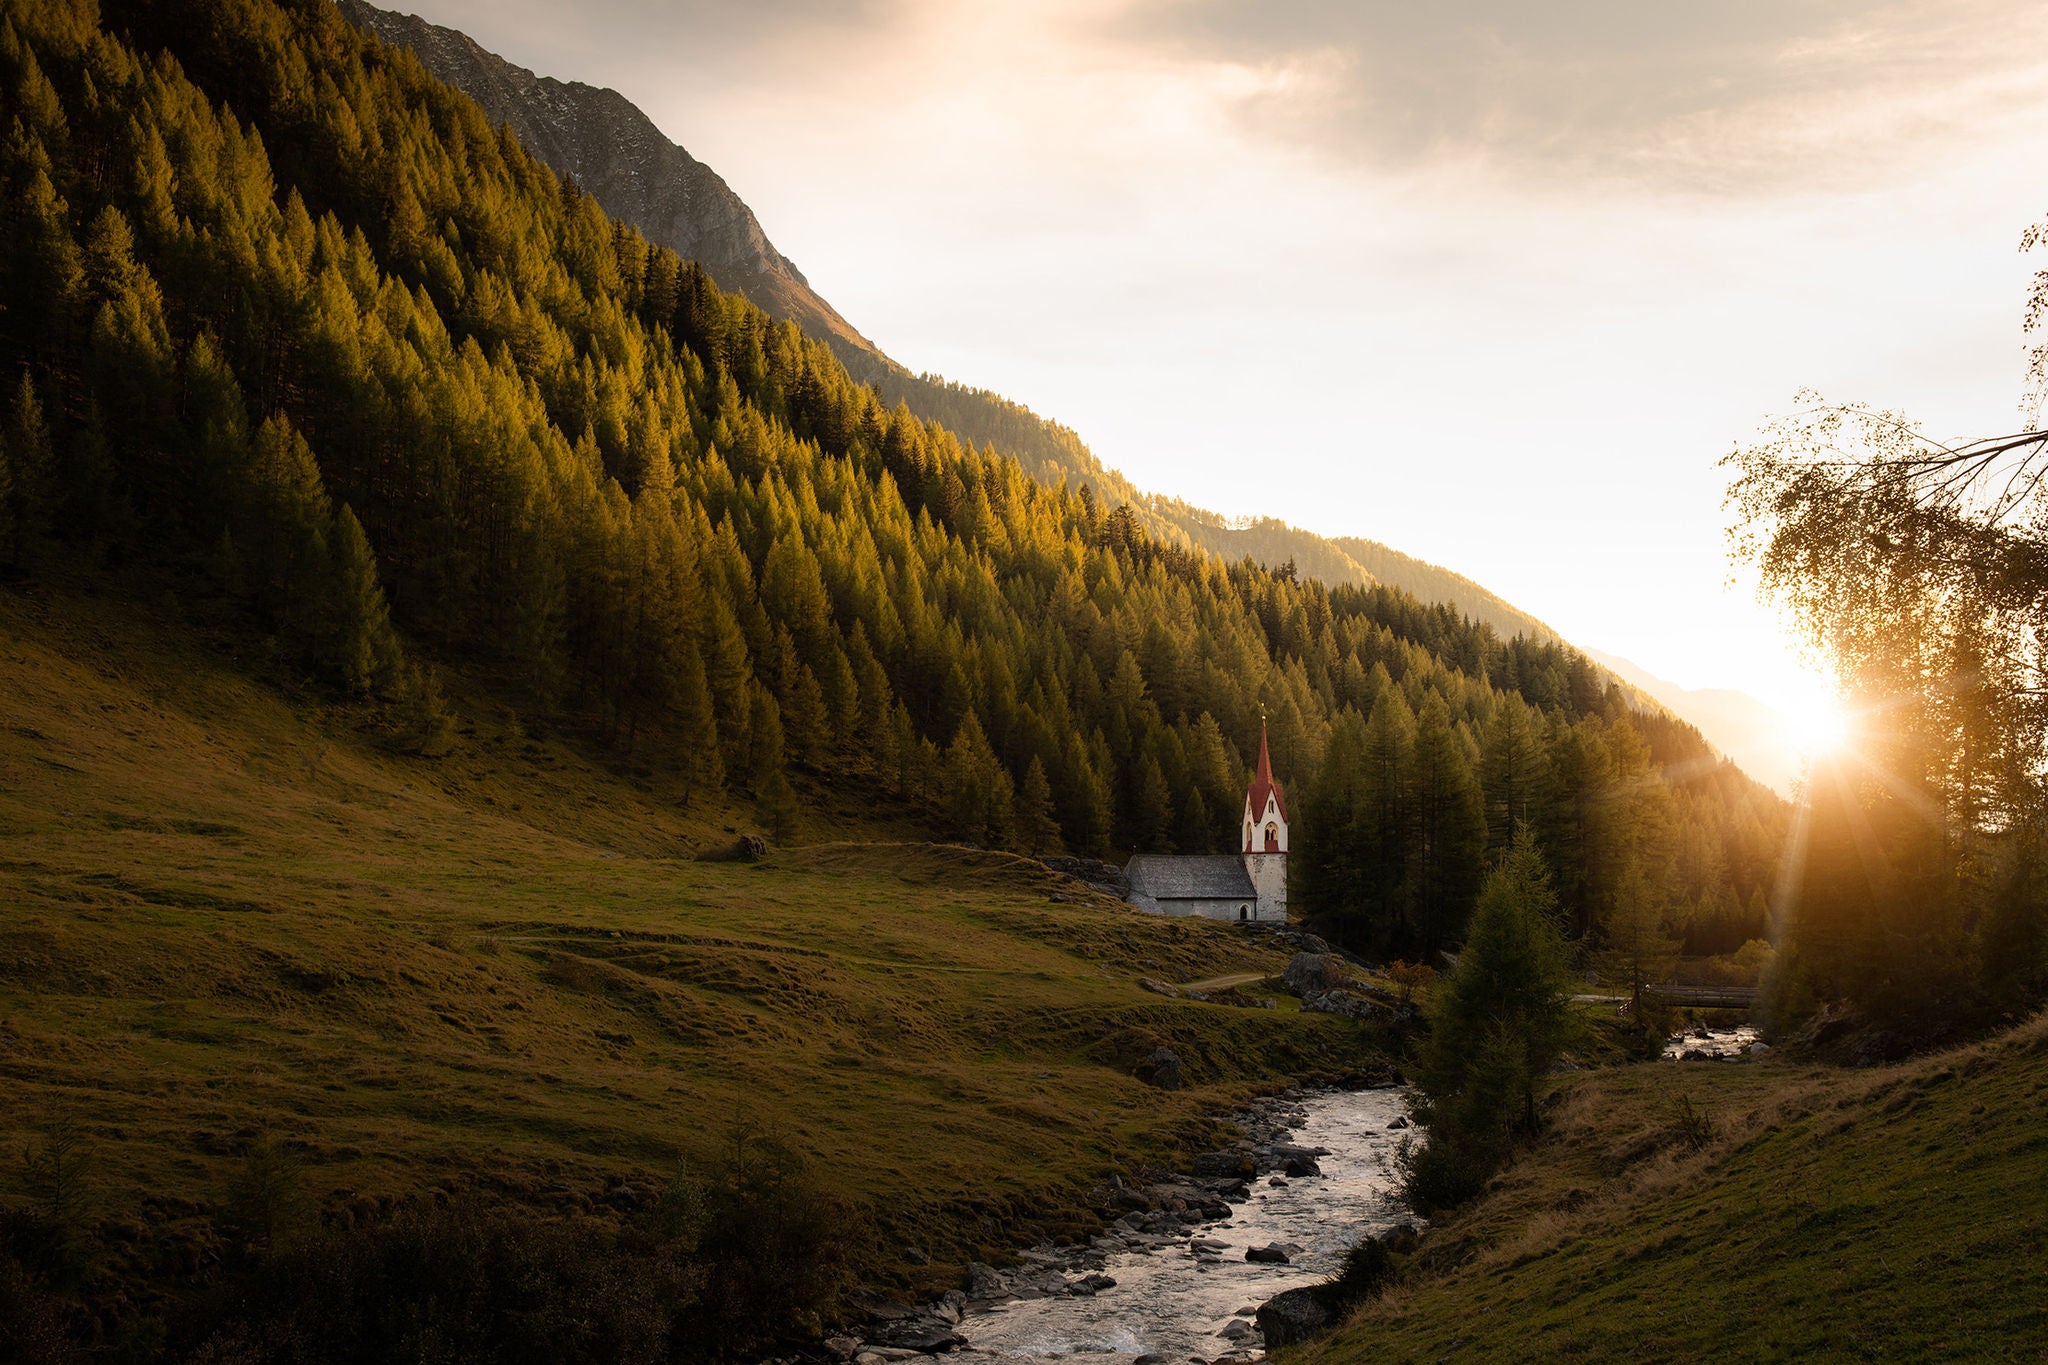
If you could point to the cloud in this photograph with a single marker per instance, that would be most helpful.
(1719, 95)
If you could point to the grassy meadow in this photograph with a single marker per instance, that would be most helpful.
(233, 917)
(1796, 1213)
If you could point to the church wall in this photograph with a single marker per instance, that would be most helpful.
(1223, 909)
(1269, 878)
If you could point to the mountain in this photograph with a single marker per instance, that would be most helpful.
(613, 150)
(604, 143)
(357, 378)
(1753, 734)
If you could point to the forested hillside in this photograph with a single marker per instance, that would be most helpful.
(614, 151)
(290, 320)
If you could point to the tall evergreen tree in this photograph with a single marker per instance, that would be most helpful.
(1449, 833)
(1496, 1024)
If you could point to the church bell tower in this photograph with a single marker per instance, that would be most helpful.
(1265, 838)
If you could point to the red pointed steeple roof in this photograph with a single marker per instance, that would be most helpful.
(1263, 784)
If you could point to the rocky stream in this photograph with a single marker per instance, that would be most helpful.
(1198, 1267)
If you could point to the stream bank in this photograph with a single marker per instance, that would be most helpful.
(1182, 1272)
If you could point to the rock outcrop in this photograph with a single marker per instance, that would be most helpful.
(1293, 1317)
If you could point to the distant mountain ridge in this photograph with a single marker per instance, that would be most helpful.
(1750, 732)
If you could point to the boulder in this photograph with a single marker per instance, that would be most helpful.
(1237, 1329)
(1399, 1239)
(1162, 1069)
(1092, 1284)
(1272, 1254)
(985, 1281)
(1293, 1317)
(926, 1336)
(1400, 1122)
(1300, 1166)
(880, 1309)
(1221, 1164)
(842, 1348)
(1348, 1004)
(1307, 972)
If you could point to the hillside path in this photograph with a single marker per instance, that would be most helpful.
(1223, 983)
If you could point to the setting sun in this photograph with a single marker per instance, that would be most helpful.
(1815, 723)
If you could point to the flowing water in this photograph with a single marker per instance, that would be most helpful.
(1719, 1044)
(1175, 1302)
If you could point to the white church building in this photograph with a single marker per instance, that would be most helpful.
(1250, 886)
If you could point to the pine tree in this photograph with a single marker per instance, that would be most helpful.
(365, 650)
(779, 808)
(31, 467)
(10, 548)
(1496, 1023)
(1038, 832)
(1196, 826)
(1636, 951)
(1152, 807)
(1385, 814)
(1448, 827)
(1515, 771)
(979, 794)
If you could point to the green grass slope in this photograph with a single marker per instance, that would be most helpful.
(1899, 1214)
(230, 915)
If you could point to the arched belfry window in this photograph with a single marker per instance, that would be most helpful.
(1272, 838)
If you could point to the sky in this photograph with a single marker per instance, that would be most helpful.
(1494, 282)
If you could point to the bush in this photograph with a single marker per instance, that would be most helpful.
(731, 1266)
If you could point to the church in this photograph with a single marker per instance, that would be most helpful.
(1250, 886)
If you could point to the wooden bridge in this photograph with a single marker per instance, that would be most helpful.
(1692, 997)
(1704, 997)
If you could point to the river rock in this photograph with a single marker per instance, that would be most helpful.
(880, 1309)
(1162, 1069)
(1237, 1329)
(920, 1336)
(1225, 1164)
(986, 1282)
(1298, 1167)
(1271, 1254)
(842, 1348)
(1293, 1317)
(1400, 1122)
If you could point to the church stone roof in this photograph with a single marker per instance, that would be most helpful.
(1207, 876)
